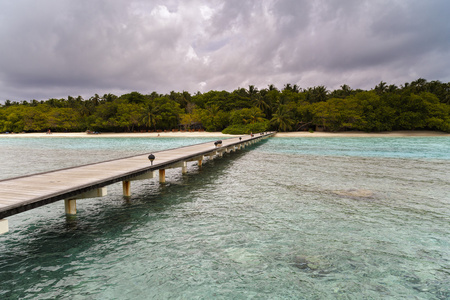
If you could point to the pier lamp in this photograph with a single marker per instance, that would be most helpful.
(151, 158)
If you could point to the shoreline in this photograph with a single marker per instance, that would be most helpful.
(203, 134)
(178, 134)
(400, 133)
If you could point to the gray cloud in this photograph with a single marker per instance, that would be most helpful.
(55, 48)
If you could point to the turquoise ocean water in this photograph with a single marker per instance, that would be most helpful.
(293, 218)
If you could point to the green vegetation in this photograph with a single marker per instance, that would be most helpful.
(416, 105)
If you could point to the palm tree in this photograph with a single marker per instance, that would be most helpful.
(252, 91)
(342, 93)
(392, 88)
(282, 119)
(380, 88)
(109, 97)
(86, 108)
(293, 88)
(346, 89)
(272, 88)
(150, 116)
(419, 85)
(213, 109)
(255, 116)
(95, 100)
(287, 87)
(260, 102)
(316, 94)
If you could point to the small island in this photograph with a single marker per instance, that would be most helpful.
(418, 105)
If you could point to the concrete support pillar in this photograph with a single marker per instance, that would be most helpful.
(162, 175)
(71, 206)
(126, 188)
(4, 228)
(183, 166)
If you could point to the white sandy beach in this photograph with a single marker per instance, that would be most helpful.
(406, 133)
(179, 134)
(221, 135)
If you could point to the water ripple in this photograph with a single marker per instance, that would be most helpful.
(268, 223)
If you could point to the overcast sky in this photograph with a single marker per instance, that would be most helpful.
(56, 48)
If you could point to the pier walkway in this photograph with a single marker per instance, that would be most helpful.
(27, 192)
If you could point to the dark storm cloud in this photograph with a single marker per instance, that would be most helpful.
(55, 48)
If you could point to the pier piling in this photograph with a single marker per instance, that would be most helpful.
(4, 228)
(126, 188)
(162, 175)
(70, 206)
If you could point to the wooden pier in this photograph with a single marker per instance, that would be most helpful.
(27, 192)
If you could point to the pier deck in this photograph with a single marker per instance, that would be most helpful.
(27, 192)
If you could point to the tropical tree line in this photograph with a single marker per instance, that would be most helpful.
(420, 104)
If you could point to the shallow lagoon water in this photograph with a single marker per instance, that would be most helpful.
(294, 218)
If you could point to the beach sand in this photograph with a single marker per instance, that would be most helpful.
(406, 133)
(179, 134)
(221, 135)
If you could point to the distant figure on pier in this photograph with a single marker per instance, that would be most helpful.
(49, 131)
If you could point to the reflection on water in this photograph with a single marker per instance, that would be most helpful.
(267, 223)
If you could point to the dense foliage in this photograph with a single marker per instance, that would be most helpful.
(416, 105)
